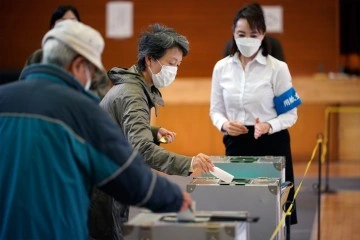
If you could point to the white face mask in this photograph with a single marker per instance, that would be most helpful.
(165, 77)
(88, 78)
(248, 46)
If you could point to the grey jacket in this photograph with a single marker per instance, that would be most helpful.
(129, 103)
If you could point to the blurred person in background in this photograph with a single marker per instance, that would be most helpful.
(61, 13)
(64, 12)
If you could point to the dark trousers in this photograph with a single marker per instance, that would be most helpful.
(277, 144)
(107, 217)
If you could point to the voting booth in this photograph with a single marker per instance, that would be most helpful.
(259, 197)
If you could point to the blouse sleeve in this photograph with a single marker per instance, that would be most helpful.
(282, 82)
(217, 105)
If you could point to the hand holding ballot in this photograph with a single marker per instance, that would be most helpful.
(202, 162)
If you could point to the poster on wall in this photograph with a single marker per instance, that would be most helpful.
(119, 19)
(273, 18)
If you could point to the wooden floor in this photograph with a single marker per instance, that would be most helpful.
(340, 212)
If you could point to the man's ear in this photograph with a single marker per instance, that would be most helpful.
(76, 65)
(77, 69)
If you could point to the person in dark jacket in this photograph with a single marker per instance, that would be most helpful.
(129, 102)
(57, 144)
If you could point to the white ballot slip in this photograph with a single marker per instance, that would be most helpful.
(222, 175)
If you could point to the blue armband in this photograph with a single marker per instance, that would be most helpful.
(287, 101)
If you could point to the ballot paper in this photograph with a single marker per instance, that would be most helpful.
(222, 175)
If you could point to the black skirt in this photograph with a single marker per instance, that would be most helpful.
(277, 144)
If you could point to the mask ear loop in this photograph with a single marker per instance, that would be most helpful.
(88, 77)
(159, 62)
(151, 70)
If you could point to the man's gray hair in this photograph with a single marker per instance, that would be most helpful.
(56, 52)
(154, 43)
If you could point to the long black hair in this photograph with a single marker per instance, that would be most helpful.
(255, 17)
(60, 11)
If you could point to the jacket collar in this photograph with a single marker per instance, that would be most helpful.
(55, 74)
(133, 75)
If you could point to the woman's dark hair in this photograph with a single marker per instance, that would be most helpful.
(155, 42)
(60, 12)
(255, 17)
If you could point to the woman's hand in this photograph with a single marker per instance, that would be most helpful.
(261, 128)
(234, 128)
(203, 163)
(165, 136)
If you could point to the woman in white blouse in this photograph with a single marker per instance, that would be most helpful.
(253, 101)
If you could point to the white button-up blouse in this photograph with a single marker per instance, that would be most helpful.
(246, 94)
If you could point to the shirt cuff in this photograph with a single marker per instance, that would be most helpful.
(270, 130)
(191, 167)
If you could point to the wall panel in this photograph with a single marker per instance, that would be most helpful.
(310, 37)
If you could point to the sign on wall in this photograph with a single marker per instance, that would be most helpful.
(119, 19)
(273, 18)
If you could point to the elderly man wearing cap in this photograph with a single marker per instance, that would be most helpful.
(56, 144)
